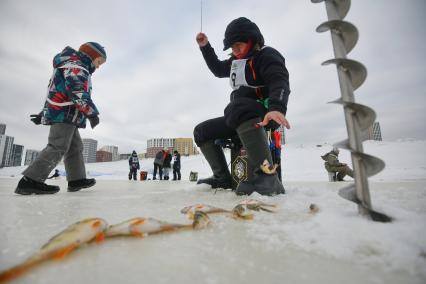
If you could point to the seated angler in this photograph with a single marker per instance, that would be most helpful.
(260, 84)
(332, 165)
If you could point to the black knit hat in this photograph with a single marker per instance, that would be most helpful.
(242, 30)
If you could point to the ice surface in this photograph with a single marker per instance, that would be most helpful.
(335, 245)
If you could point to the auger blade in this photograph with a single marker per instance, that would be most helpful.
(347, 31)
(341, 6)
(373, 165)
(357, 72)
(364, 114)
(349, 193)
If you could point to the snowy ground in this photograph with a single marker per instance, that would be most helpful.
(335, 245)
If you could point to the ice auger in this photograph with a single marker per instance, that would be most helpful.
(359, 118)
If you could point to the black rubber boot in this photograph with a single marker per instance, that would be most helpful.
(255, 142)
(27, 186)
(216, 158)
(76, 185)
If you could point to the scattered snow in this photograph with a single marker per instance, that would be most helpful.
(334, 245)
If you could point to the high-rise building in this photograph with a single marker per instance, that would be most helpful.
(17, 153)
(6, 148)
(157, 144)
(113, 150)
(30, 156)
(103, 156)
(2, 128)
(2, 146)
(160, 142)
(125, 156)
(185, 146)
(89, 150)
(374, 133)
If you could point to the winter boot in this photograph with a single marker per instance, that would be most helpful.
(28, 186)
(216, 158)
(76, 185)
(255, 142)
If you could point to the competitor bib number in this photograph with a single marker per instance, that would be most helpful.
(237, 77)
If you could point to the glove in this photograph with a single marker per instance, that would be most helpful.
(94, 121)
(36, 118)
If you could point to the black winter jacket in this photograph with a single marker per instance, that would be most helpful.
(167, 161)
(267, 70)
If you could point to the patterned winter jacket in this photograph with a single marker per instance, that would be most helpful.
(68, 98)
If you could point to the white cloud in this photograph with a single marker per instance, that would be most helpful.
(156, 84)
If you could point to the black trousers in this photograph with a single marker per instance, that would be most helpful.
(133, 172)
(176, 173)
(213, 129)
(160, 171)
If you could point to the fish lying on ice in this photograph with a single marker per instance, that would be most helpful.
(142, 227)
(257, 205)
(208, 209)
(61, 245)
(238, 213)
(241, 211)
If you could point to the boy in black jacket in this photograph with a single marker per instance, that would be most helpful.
(260, 84)
(133, 165)
(176, 165)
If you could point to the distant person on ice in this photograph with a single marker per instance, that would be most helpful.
(167, 164)
(332, 164)
(68, 105)
(259, 79)
(133, 165)
(176, 165)
(158, 164)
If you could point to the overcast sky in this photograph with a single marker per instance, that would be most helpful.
(156, 83)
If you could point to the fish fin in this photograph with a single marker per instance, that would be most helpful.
(243, 217)
(247, 217)
(63, 252)
(99, 238)
(137, 234)
(138, 222)
(96, 224)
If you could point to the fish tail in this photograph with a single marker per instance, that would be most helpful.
(18, 270)
(168, 228)
(134, 228)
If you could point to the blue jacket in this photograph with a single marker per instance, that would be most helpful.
(68, 99)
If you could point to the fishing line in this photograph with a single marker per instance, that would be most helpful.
(201, 14)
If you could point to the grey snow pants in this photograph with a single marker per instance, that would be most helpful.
(64, 141)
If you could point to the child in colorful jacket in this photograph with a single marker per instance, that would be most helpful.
(68, 105)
